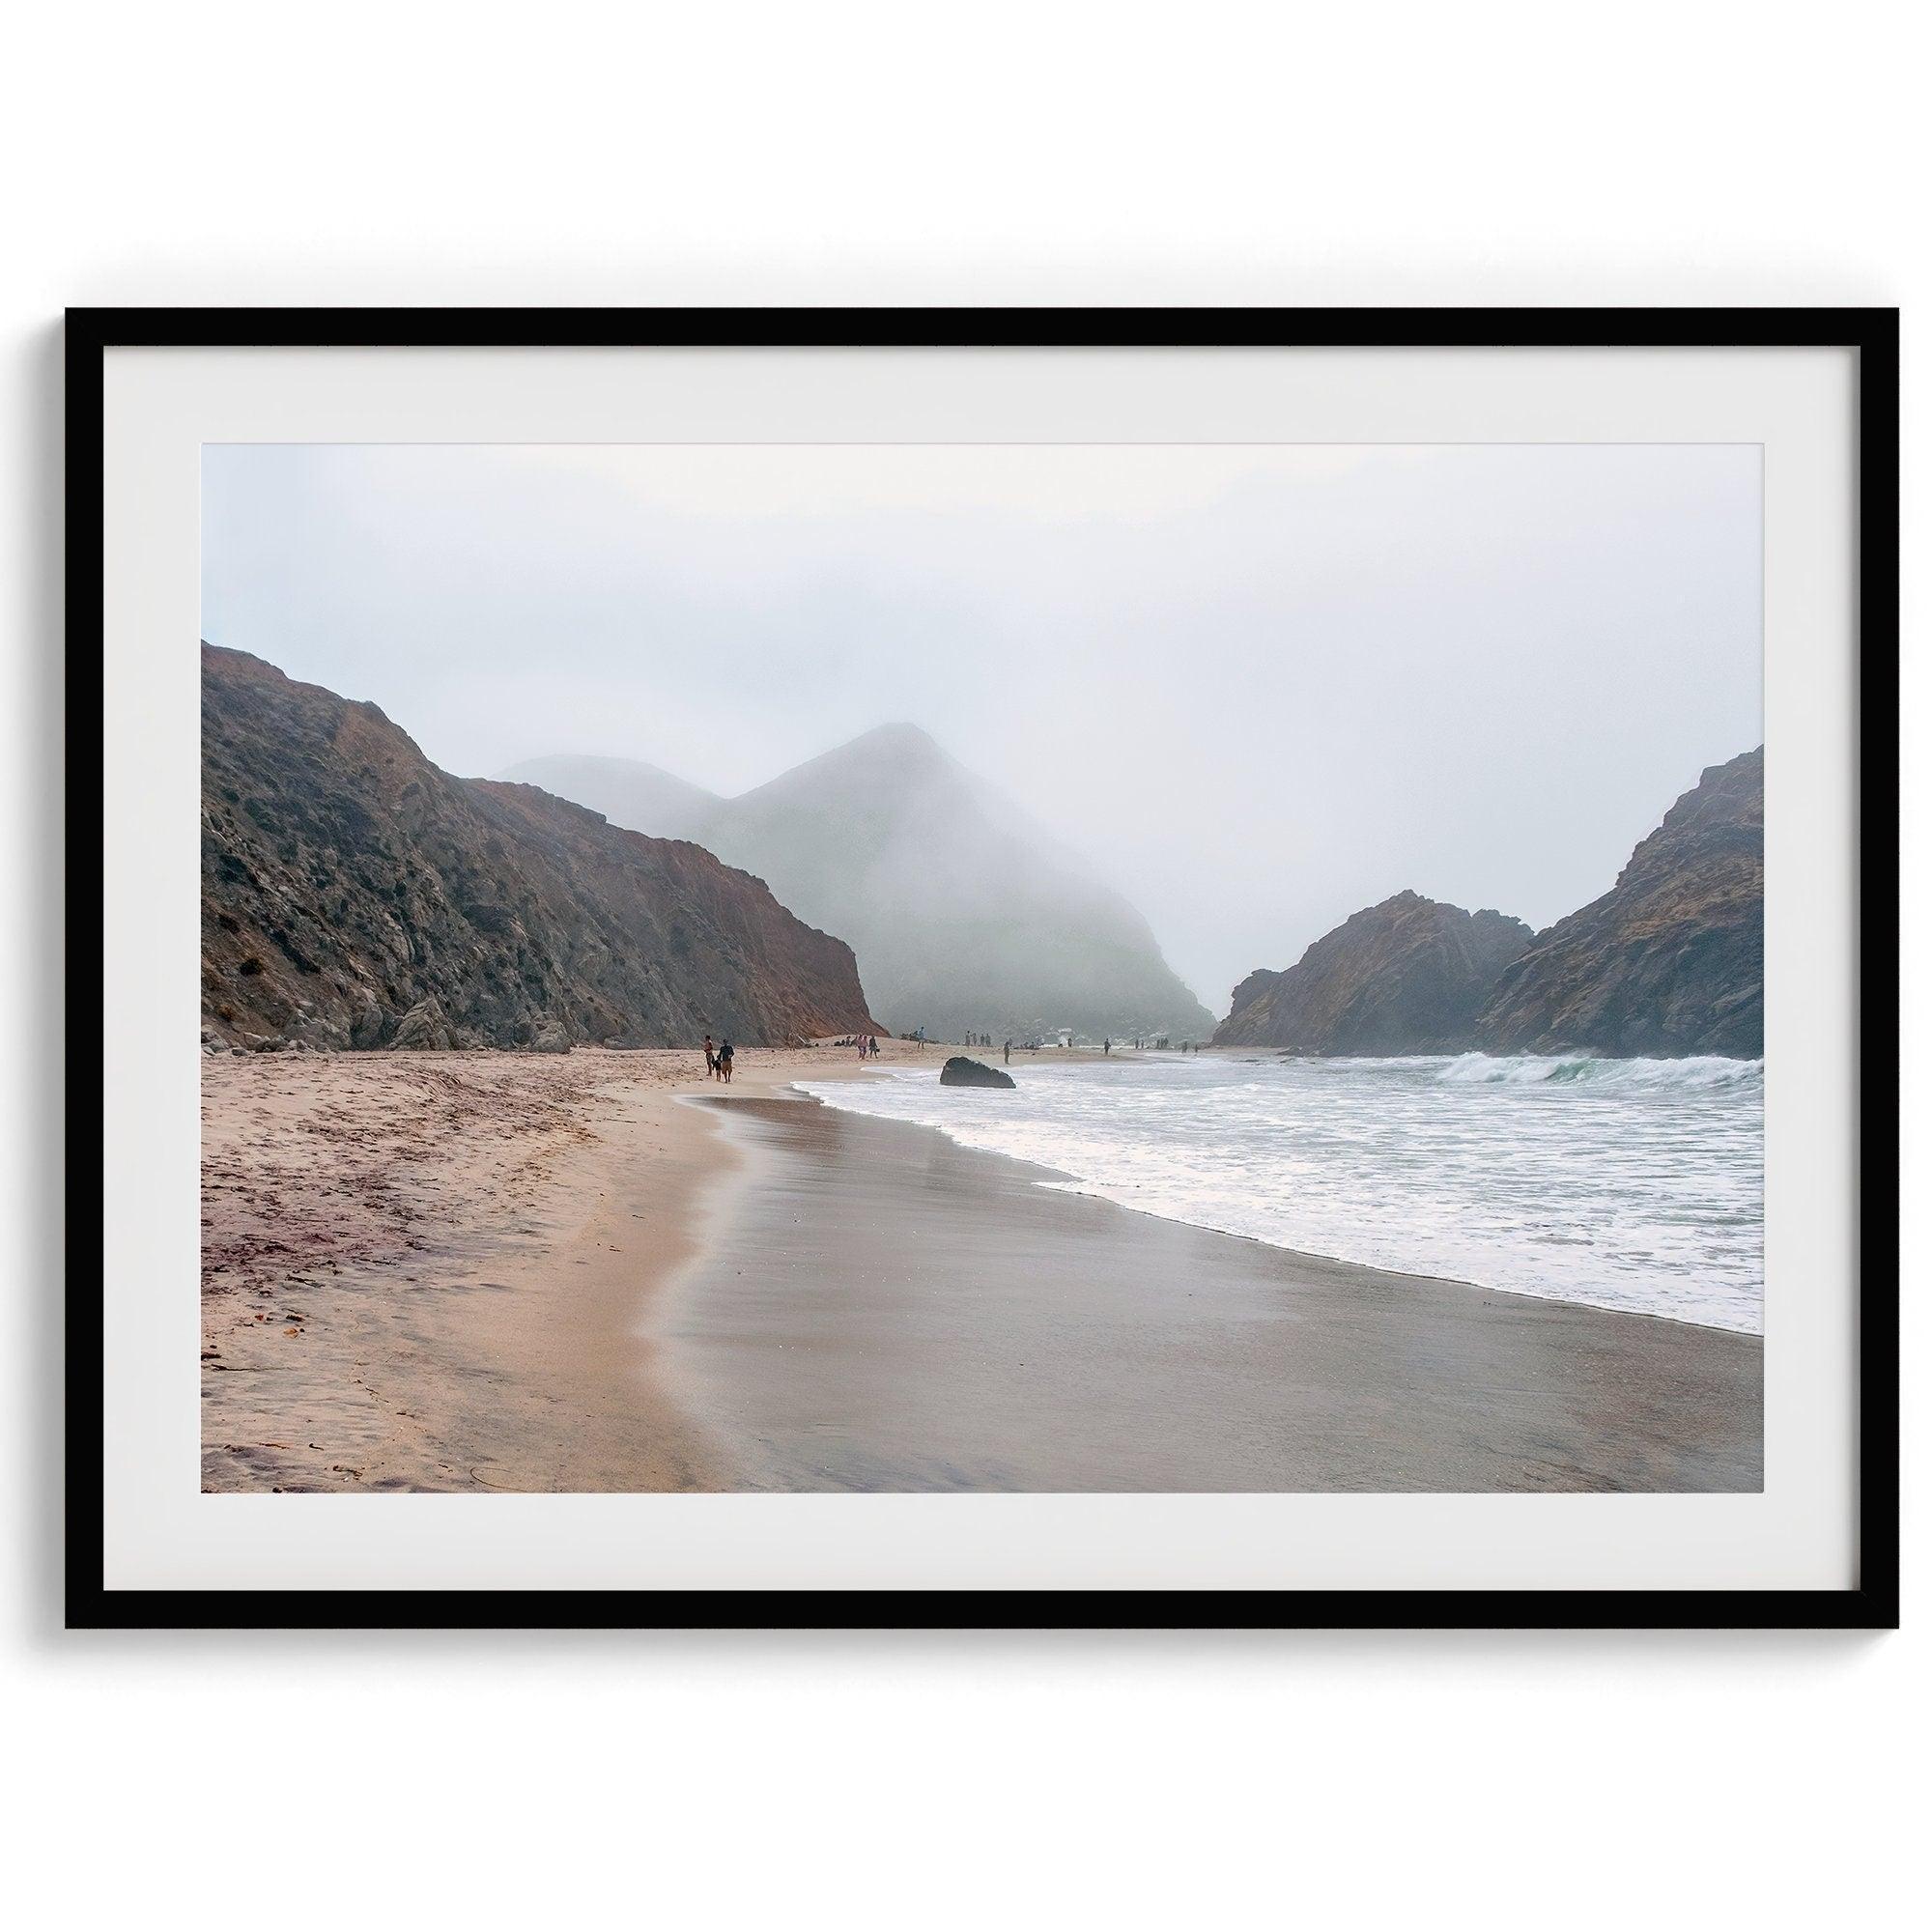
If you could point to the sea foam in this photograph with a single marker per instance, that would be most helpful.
(1635, 1185)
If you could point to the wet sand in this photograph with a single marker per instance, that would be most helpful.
(876, 1308)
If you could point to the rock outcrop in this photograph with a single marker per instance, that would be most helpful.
(354, 895)
(960, 1071)
(1670, 960)
(963, 913)
(1408, 975)
(1260, 981)
(423, 1029)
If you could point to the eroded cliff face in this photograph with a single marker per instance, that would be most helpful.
(1670, 960)
(1250, 992)
(1408, 975)
(354, 895)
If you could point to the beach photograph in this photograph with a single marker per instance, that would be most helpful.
(992, 1121)
(982, 968)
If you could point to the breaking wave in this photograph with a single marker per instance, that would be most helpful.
(1633, 1184)
(1702, 1073)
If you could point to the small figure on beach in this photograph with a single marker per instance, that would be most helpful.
(724, 1061)
(710, 1059)
(1106, 1047)
(1010, 1053)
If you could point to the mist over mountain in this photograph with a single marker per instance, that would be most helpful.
(632, 795)
(964, 915)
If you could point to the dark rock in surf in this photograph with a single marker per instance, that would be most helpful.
(960, 1072)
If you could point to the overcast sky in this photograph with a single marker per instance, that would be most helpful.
(1258, 687)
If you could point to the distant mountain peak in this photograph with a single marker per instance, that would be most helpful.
(901, 734)
(963, 912)
(886, 768)
(895, 747)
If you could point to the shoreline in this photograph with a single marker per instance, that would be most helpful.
(1088, 1190)
(542, 1337)
(1006, 1336)
(1097, 1187)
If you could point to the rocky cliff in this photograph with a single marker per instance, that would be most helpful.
(1408, 975)
(1670, 960)
(354, 895)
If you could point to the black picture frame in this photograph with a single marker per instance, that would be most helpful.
(1871, 332)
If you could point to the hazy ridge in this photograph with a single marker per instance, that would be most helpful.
(962, 913)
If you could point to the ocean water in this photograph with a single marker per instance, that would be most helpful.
(1633, 1184)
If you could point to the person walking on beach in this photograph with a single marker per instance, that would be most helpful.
(710, 1059)
(1010, 1053)
(1106, 1047)
(724, 1061)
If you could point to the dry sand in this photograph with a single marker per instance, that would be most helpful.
(498, 1272)
(428, 1271)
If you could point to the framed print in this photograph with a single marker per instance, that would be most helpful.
(983, 967)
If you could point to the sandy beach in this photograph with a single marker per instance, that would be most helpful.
(431, 1271)
(536, 1272)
